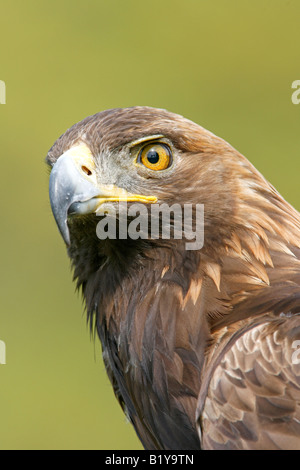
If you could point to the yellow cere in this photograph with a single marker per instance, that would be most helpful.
(82, 156)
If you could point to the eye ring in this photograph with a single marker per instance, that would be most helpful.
(155, 156)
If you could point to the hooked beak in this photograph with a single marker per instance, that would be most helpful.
(73, 188)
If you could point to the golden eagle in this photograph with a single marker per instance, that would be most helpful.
(200, 345)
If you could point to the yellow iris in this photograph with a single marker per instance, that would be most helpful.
(155, 156)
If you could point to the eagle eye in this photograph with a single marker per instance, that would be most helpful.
(155, 156)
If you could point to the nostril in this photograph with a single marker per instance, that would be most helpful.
(86, 170)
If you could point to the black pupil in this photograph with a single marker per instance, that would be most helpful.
(152, 156)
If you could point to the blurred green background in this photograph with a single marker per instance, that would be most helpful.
(227, 65)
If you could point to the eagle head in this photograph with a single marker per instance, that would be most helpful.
(176, 324)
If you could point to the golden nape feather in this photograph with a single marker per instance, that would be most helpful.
(200, 345)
